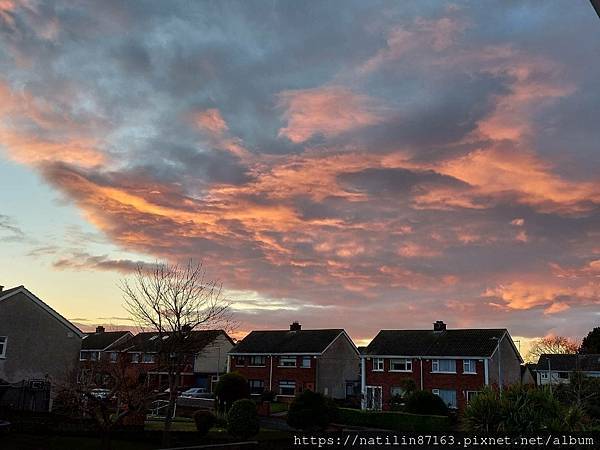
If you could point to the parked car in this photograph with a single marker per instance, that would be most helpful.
(196, 393)
(100, 394)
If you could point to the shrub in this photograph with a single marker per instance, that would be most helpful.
(231, 387)
(483, 413)
(396, 421)
(521, 409)
(311, 411)
(268, 396)
(425, 402)
(204, 420)
(242, 419)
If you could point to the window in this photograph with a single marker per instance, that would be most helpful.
(378, 365)
(305, 362)
(83, 356)
(114, 356)
(563, 375)
(471, 395)
(469, 366)
(400, 365)
(544, 375)
(287, 361)
(443, 365)
(287, 387)
(240, 361)
(448, 395)
(94, 356)
(256, 386)
(3, 342)
(257, 361)
(397, 391)
(148, 358)
(135, 357)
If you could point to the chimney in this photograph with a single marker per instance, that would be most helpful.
(100, 329)
(295, 326)
(439, 326)
(1, 288)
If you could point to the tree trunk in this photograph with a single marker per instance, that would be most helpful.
(173, 384)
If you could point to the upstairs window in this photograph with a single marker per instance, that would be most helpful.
(83, 356)
(469, 366)
(378, 365)
(240, 361)
(257, 361)
(305, 362)
(135, 357)
(443, 365)
(148, 358)
(114, 356)
(287, 361)
(400, 365)
(3, 343)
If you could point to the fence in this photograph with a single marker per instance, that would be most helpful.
(28, 395)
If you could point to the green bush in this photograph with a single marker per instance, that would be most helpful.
(521, 409)
(204, 420)
(242, 419)
(311, 411)
(425, 402)
(231, 387)
(396, 421)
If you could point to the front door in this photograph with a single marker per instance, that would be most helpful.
(373, 398)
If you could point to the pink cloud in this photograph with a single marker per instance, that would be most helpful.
(328, 111)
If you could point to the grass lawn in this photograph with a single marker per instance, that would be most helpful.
(179, 424)
(277, 407)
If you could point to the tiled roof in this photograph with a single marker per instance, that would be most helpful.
(461, 342)
(589, 363)
(152, 342)
(285, 341)
(100, 341)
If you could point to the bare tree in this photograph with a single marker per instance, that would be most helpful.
(552, 345)
(174, 300)
(122, 396)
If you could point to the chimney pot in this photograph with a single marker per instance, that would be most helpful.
(100, 329)
(439, 325)
(295, 326)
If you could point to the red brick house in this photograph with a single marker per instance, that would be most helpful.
(203, 357)
(96, 354)
(290, 361)
(454, 364)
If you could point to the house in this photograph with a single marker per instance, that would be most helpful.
(95, 354)
(203, 357)
(39, 349)
(557, 369)
(290, 361)
(454, 364)
(528, 374)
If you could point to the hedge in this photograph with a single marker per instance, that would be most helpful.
(396, 421)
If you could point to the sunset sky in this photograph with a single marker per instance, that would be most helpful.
(352, 164)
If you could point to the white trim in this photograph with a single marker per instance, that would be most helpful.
(5, 344)
(45, 307)
(273, 354)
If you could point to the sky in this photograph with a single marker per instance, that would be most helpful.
(346, 164)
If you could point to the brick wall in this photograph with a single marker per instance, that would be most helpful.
(459, 381)
(305, 378)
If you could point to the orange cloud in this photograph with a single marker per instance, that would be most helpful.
(210, 120)
(32, 132)
(329, 111)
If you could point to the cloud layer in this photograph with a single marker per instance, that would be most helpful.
(381, 166)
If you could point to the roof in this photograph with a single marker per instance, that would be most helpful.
(8, 293)
(586, 363)
(100, 341)
(151, 341)
(286, 341)
(461, 342)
